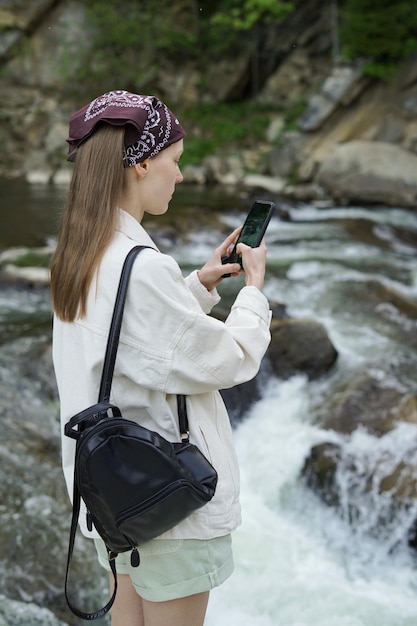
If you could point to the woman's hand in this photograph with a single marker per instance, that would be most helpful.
(254, 261)
(212, 272)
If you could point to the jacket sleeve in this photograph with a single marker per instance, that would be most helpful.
(171, 345)
(206, 299)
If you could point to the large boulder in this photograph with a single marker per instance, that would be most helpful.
(366, 402)
(370, 172)
(300, 346)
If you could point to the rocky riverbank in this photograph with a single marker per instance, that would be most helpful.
(355, 140)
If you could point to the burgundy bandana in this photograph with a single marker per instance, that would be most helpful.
(149, 125)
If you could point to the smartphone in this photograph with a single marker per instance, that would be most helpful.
(253, 229)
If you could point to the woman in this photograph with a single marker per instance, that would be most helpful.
(126, 149)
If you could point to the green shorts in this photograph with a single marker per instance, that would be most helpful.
(175, 568)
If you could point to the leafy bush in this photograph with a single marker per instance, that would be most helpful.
(244, 14)
(382, 31)
(213, 127)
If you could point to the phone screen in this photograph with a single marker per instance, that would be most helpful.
(255, 225)
(253, 229)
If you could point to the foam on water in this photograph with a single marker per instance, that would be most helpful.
(297, 562)
(381, 215)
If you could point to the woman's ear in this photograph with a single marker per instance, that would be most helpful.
(142, 168)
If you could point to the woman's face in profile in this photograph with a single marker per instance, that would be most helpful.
(163, 174)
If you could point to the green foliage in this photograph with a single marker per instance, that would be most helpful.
(244, 14)
(382, 70)
(213, 127)
(33, 258)
(121, 26)
(293, 114)
(129, 39)
(382, 31)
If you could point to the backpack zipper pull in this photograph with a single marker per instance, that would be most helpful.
(134, 558)
(89, 521)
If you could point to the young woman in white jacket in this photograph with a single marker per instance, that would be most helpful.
(126, 149)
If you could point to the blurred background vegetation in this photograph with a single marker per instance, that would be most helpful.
(381, 31)
(131, 39)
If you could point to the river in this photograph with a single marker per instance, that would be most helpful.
(298, 562)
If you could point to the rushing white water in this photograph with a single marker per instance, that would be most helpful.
(296, 562)
(299, 563)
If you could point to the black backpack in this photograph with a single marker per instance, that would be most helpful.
(135, 484)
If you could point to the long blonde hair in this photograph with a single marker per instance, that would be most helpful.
(88, 221)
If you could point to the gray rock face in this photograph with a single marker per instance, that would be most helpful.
(370, 172)
(341, 87)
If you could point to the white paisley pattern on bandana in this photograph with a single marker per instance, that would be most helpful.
(155, 136)
(157, 127)
(119, 98)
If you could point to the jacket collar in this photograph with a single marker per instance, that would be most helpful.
(134, 230)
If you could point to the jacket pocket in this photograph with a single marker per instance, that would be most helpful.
(221, 454)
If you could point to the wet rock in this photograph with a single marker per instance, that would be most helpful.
(19, 255)
(30, 275)
(297, 346)
(35, 511)
(14, 613)
(367, 402)
(300, 345)
(319, 471)
(28, 266)
(39, 368)
(377, 473)
(372, 487)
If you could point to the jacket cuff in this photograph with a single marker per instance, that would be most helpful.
(254, 300)
(206, 299)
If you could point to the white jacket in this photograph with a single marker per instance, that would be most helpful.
(168, 345)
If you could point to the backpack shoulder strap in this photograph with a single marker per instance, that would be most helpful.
(74, 523)
(115, 326)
